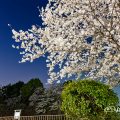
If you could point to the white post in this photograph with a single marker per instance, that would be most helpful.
(17, 114)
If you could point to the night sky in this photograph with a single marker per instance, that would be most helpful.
(21, 14)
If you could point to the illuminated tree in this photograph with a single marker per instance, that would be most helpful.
(78, 36)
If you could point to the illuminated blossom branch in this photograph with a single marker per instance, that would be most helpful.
(79, 35)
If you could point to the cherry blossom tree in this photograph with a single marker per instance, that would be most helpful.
(47, 101)
(78, 36)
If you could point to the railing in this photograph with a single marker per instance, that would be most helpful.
(40, 117)
(55, 117)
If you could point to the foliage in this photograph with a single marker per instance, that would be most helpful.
(85, 98)
(48, 101)
(79, 35)
(12, 90)
(16, 96)
(112, 116)
(67, 82)
(29, 88)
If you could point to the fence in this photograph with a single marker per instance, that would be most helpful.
(57, 117)
(40, 117)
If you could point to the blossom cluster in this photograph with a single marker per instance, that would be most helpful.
(79, 36)
(46, 101)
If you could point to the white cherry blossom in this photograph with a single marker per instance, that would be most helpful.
(68, 27)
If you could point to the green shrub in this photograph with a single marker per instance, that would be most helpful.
(87, 98)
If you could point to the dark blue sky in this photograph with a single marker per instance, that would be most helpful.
(21, 14)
